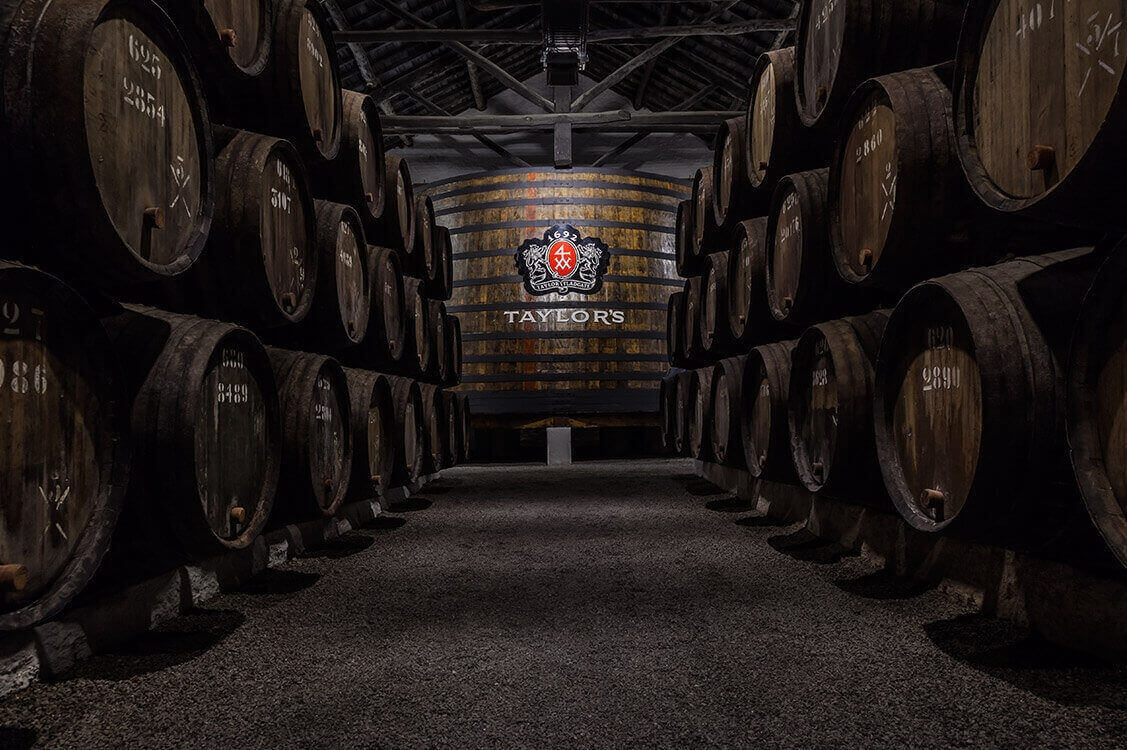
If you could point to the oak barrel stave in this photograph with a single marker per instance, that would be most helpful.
(700, 416)
(727, 410)
(715, 333)
(385, 341)
(65, 446)
(410, 430)
(398, 223)
(683, 413)
(731, 192)
(434, 427)
(355, 176)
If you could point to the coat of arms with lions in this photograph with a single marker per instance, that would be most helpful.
(562, 262)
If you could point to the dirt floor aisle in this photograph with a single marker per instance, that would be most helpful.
(606, 604)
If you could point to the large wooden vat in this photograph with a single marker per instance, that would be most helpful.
(580, 358)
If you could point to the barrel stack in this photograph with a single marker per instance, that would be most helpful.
(188, 277)
(914, 293)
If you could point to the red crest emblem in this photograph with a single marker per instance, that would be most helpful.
(562, 259)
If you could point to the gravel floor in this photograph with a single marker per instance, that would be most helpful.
(606, 604)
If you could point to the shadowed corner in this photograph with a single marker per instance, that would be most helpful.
(1006, 651)
(410, 505)
(703, 488)
(176, 642)
(279, 583)
(17, 738)
(807, 547)
(733, 504)
(385, 522)
(883, 585)
(342, 546)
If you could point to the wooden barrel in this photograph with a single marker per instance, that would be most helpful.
(300, 96)
(727, 411)
(386, 341)
(684, 411)
(694, 303)
(830, 408)
(398, 224)
(64, 450)
(731, 193)
(465, 427)
(687, 262)
(706, 232)
(667, 414)
(777, 143)
(206, 435)
(342, 300)
(410, 430)
(1097, 395)
(434, 427)
(802, 285)
(765, 433)
(317, 440)
(436, 336)
(840, 44)
(675, 329)
(971, 394)
(597, 350)
(454, 349)
(451, 420)
(260, 266)
(715, 333)
(424, 253)
(231, 42)
(1039, 111)
(442, 285)
(700, 414)
(107, 143)
(356, 176)
(373, 433)
(418, 344)
(749, 317)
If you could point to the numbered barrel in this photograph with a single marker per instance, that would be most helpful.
(317, 441)
(700, 414)
(715, 334)
(398, 225)
(207, 436)
(803, 286)
(763, 422)
(385, 343)
(410, 430)
(731, 193)
(830, 408)
(341, 307)
(777, 143)
(356, 175)
(110, 159)
(1039, 110)
(436, 338)
(434, 427)
(727, 409)
(1097, 402)
(425, 251)
(749, 318)
(64, 449)
(300, 97)
(373, 432)
(687, 262)
(260, 267)
(418, 351)
(970, 395)
(840, 43)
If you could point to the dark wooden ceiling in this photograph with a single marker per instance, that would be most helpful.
(428, 78)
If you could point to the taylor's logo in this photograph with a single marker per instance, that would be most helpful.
(562, 262)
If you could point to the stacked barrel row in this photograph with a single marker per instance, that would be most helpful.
(221, 307)
(905, 285)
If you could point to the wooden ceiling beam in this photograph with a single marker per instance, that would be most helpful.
(622, 121)
(532, 38)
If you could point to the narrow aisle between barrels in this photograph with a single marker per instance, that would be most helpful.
(625, 604)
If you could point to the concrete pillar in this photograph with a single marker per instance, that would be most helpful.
(559, 446)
